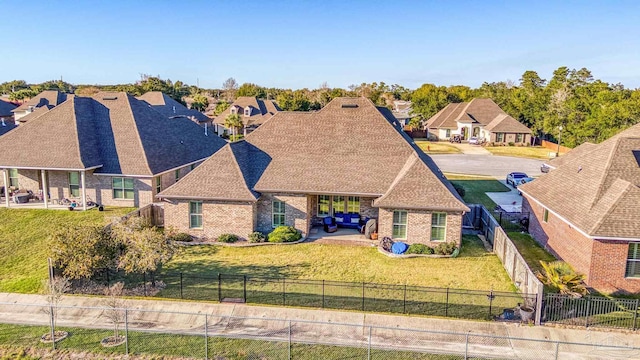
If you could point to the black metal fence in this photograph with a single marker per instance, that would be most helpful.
(591, 311)
(360, 296)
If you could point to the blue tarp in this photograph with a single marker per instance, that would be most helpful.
(399, 248)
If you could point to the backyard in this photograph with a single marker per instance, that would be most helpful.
(530, 250)
(476, 188)
(24, 242)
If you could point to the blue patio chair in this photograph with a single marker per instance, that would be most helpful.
(329, 224)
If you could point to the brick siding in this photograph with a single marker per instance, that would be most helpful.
(419, 227)
(608, 266)
(218, 217)
(296, 214)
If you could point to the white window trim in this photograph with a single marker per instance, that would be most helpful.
(406, 225)
(274, 213)
(78, 184)
(349, 206)
(124, 189)
(196, 214)
(444, 238)
(328, 209)
(158, 184)
(333, 210)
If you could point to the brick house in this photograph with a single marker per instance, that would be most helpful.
(110, 148)
(481, 118)
(253, 112)
(7, 122)
(587, 211)
(40, 103)
(298, 167)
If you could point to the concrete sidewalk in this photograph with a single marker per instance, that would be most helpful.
(256, 321)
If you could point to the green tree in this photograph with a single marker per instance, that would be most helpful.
(294, 101)
(144, 247)
(248, 89)
(200, 102)
(233, 122)
(428, 100)
(80, 251)
(220, 107)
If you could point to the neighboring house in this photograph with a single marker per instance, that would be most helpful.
(299, 167)
(587, 211)
(481, 118)
(44, 101)
(170, 108)
(253, 112)
(110, 148)
(6, 111)
(402, 111)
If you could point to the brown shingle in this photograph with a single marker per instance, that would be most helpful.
(46, 98)
(168, 107)
(574, 153)
(506, 124)
(261, 111)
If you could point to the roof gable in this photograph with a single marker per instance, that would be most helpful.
(506, 124)
(6, 108)
(261, 111)
(169, 107)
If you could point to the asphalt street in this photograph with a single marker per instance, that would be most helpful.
(488, 165)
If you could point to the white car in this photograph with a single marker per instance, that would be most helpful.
(475, 140)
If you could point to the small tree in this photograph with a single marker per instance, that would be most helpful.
(200, 102)
(220, 107)
(143, 247)
(80, 251)
(559, 276)
(233, 122)
(415, 123)
(114, 311)
(55, 290)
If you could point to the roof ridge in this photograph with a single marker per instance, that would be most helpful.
(600, 191)
(629, 186)
(75, 125)
(135, 123)
(235, 161)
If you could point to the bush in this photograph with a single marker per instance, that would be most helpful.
(284, 234)
(257, 237)
(459, 188)
(182, 237)
(419, 249)
(446, 248)
(228, 238)
(511, 143)
(233, 138)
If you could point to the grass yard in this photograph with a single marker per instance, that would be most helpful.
(436, 147)
(475, 188)
(530, 250)
(533, 152)
(24, 242)
(475, 268)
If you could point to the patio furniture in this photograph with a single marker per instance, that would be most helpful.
(329, 224)
(351, 221)
(21, 198)
(370, 227)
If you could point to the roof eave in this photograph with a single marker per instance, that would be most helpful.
(207, 198)
(316, 192)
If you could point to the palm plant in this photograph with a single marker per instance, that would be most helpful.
(559, 276)
(233, 122)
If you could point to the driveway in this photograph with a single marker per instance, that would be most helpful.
(510, 201)
(488, 165)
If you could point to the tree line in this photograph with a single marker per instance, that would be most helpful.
(586, 109)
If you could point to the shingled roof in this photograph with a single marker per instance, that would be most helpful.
(6, 108)
(348, 147)
(168, 107)
(113, 132)
(597, 189)
(260, 111)
(49, 98)
(479, 111)
(574, 153)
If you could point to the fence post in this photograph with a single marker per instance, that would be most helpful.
(369, 348)
(557, 349)
(363, 296)
(539, 300)
(219, 287)
(181, 297)
(206, 337)
(323, 293)
(446, 305)
(500, 222)
(289, 339)
(126, 331)
(404, 300)
(635, 315)
(586, 318)
(244, 288)
(466, 347)
(491, 296)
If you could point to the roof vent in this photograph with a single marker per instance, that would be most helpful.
(110, 98)
(174, 109)
(349, 106)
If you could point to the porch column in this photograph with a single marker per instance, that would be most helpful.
(84, 191)
(6, 187)
(45, 189)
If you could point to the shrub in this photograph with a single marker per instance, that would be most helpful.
(182, 237)
(257, 237)
(446, 248)
(284, 234)
(419, 249)
(511, 143)
(233, 138)
(228, 238)
(460, 189)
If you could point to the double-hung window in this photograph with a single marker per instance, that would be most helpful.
(499, 137)
(13, 178)
(278, 213)
(518, 138)
(447, 133)
(122, 188)
(338, 204)
(633, 260)
(438, 226)
(195, 215)
(353, 204)
(399, 224)
(74, 184)
(323, 205)
(158, 184)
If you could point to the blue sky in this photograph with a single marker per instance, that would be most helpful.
(295, 44)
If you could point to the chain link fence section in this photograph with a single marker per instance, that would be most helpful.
(188, 335)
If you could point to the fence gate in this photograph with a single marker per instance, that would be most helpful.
(232, 288)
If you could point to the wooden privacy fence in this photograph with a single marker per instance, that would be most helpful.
(554, 147)
(153, 212)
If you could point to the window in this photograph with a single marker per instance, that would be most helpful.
(323, 205)
(177, 175)
(74, 184)
(447, 133)
(158, 184)
(518, 138)
(193, 166)
(247, 111)
(195, 215)
(499, 137)
(13, 178)
(353, 204)
(338, 204)
(633, 261)
(122, 188)
(438, 226)
(545, 215)
(399, 224)
(278, 213)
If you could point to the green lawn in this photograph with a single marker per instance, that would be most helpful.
(474, 268)
(530, 250)
(533, 152)
(475, 188)
(434, 147)
(24, 238)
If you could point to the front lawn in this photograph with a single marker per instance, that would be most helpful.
(530, 250)
(532, 152)
(476, 188)
(434, 147)
(24, 242)
(473, 269)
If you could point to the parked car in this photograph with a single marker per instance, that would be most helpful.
(544, 169)
(514, 178)
(455, 138)
(475, 140)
